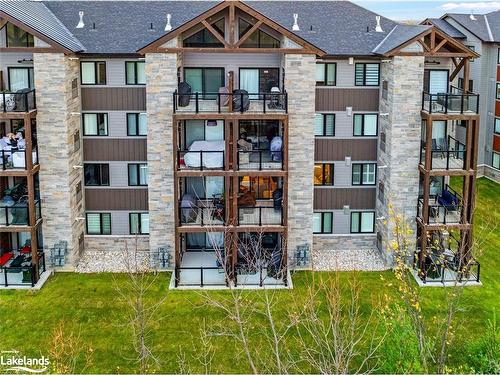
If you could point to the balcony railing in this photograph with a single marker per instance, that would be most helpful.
(200, 160)
(456, 101)
(260, 160)
(448, 154)
(20, 271)
(230, 102)
(201, 214)
(21, 101)
(16, 159)
(17, 213)
(444, 265)
(260, 216)
(445, 208)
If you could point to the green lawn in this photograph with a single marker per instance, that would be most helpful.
(89, 305)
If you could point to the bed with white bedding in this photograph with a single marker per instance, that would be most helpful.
(213, 154)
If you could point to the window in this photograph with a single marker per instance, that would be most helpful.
(367, 74)
(436, 81)
(497, 125)
(17, 37)
(134, 73)
(96, 174)
(205, 38)
(385, 89)
(76, 141)
(472, 48)
(78, 192)
(259, 80)
(93, 72)
(496, 160)
(139, 223)
(498, 57)
(20, 78)
(324, 125)
(258, 39)
(74, 88)
(205, 80)
(260, 187)
(498, 90)
(362, 222)
(323, 174)
(365, 125)
(326, 74)
(137, 124)
(138, 174)
(95, 124)
(461, 84)
(98, 223)
(322, 222)
(364, 174)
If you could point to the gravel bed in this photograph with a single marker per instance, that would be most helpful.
(348, 260)
(112, 261)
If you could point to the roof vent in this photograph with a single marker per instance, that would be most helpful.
(472, 17)
(80, 23)
(378, 28)
(295, 26)
(168, 26)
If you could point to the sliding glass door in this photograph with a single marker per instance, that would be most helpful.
(436, 81)
(205, 80)
(258, 80)
(20, 78)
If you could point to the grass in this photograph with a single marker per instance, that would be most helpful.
(89, 305)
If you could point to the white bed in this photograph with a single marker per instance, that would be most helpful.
(210, 159)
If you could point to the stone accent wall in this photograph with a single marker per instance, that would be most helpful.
(328, 243)
(161, 82)
(402, 127)
(56, 127)
(491, 173)
(116, 243)
(300, 83)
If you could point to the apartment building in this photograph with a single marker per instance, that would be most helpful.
(230, 141)
(480, 33)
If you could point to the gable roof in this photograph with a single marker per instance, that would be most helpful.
(445, 27)
(480, 27)
(37, 16)
(399, 35)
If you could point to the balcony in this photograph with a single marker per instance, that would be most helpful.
(263, 214)
(260, 160)
(446, 154)
(454, 102)
(17, 269)
(201, 211)
(445, 208)
(14, 213)
(442, 264)
(20, 101)
(235, 102)
(199, 158)
(16, 159)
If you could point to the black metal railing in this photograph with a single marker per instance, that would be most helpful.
(16, 159)
(18, 274)
(201, 215)
(214, 102)
(260, 275)
(20, 101)
(197, 277)
(260, 160)
(18, 213)
(200, 160)
(448, 154)
(260, 216)
(440, 212)
(454, 101)
(445, 265)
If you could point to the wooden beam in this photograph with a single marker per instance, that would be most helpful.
(219, 37)
(232, 25)
(457, 70)
(248, 33)
(3, 22)
(423, 44)
(440, 45)
(433, 39)
(466, 74)
(300, 51)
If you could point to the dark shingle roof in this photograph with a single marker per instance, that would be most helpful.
(480, 27)
(339, 27)
(446, 28)
(36, 15)
(399, 35)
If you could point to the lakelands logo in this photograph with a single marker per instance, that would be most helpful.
(11, 361)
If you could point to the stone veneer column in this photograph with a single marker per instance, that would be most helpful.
(402, 127)
(56, 128)
(161, 82)
(300, 84)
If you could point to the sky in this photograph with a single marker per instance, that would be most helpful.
(419, 10)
